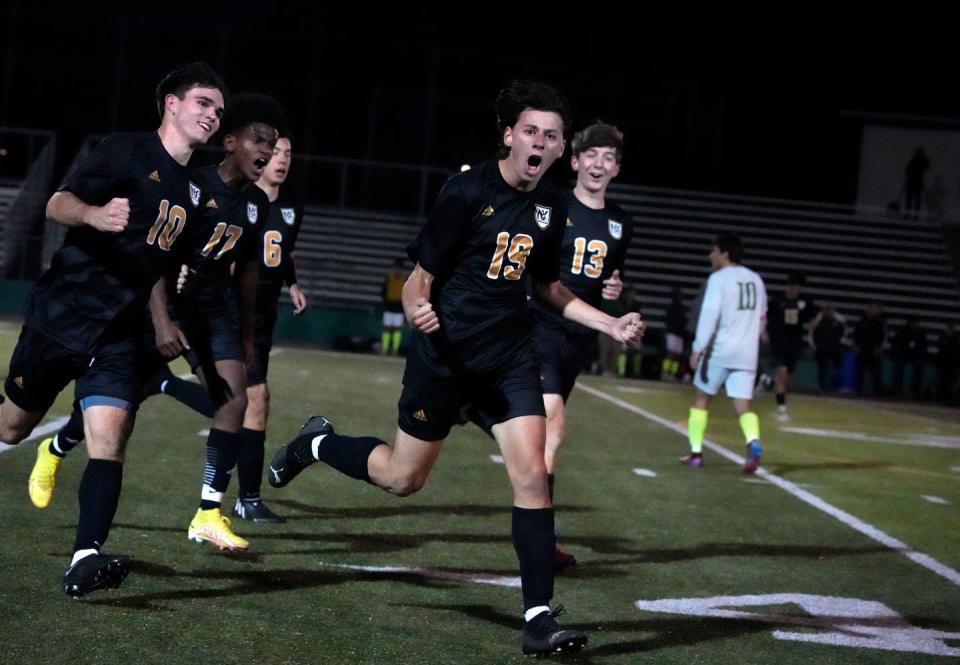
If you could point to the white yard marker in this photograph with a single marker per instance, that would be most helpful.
(853, 522)
(496, 459)
(646, 473)
(40, 432)
(432, 573)
(940, 501)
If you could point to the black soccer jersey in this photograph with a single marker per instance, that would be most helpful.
(787, 319)
(95, 276)
(595, 244)
(277, 240)
(227, 231)
(481, 241)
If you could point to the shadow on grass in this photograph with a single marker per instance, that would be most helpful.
(656, 633)
(380, 542)
(314, 511)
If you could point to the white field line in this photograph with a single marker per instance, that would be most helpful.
(40, 432)
(853, 522)
(950, 442)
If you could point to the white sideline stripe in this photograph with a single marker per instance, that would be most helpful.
(950, 442)
(452, 575)
(940, 501)
(39, 432)
(854, 523)
(646, 473)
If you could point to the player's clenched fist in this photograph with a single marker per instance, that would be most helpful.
(423, 318)
(628, 329)
(111, 218)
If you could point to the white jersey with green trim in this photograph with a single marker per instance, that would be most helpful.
(731, 319)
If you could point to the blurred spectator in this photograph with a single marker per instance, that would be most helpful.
(828, 341)
(869, 337)
(674, 361)
(392, 293)
(948, 363)
(909, 349)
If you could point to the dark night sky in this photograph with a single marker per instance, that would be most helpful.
(740, 107)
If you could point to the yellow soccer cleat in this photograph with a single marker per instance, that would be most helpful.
(211, 526)
(43, 478)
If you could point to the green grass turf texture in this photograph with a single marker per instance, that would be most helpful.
(685, 533)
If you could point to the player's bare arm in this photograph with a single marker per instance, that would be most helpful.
(66, 209)
(628, 328)
(416, 301)
(171, 341)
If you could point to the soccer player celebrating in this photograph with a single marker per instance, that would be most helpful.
(215, 311)
(595, 242)
(731, 323)
(276, 267)
(126, 205)
(466, 299)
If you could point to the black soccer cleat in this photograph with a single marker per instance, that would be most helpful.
(297, 455)
(256, 510)
(542, 636)
(93, 572)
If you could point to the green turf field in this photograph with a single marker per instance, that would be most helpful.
(677, 565)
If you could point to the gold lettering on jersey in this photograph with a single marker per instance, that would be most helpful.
(569, 222)
(488, 212)
(212, 203)
(272, 249)
(19, 381)
(421, 415)
(155, 176)
(542, 216)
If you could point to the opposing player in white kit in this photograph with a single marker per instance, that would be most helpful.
(732, 321)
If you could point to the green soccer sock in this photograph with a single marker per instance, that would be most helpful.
(750, 425)
(696, 426)
(395, 342)
(385, 342)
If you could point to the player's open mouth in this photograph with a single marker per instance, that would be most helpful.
(533, 164)
(204, 126)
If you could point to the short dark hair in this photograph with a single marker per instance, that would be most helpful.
(520, 95)
(731, 244)
(182, 79)
(598, 135)
(797, 279)
(249, 108)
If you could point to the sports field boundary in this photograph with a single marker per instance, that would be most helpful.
(852, 521)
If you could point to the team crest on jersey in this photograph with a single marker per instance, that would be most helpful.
(542, 216)
(252, 213)
(289, 215)
(155, 176)
(616, 229)
(488, 212)
(194, 195)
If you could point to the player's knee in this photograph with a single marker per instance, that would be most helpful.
(407, 484)
(11, 434)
